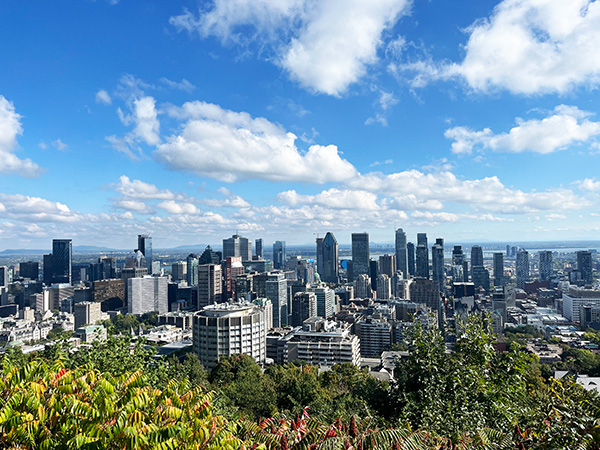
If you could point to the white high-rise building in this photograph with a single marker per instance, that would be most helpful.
(384, 287)
(147, 294)
(229, 329)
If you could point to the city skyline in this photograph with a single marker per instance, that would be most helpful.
(192, 123)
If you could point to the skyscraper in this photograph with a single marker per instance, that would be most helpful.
(410, 249)
(437, 262)
(210, 284)
(192, 270)
(145, 246)
(209, 256)
(62, 256)
(276, 291)
(327, 258)
(422, 257)
(522, 268)
(279, 255)
(360, 254)
(545, 265)
(259, 249)
(584, 265)
(387, 265)
(422, 239)
(498, 269)
(237, 245)
(401, 252)
(476, 256)
(147, 294)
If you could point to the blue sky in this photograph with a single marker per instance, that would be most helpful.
(473, 121)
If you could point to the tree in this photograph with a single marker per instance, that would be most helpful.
(54, 407)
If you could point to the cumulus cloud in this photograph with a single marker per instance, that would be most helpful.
(103, 97)
(232, 146)
(144, 117)
(534, 46)
(327, 45)
(10, 128)
(589, 184)
(488, 194)
(333, 198)
(141, 190)
(525, 47)
(23, 207)
(567, 125)
(174, 207)
(132, 205)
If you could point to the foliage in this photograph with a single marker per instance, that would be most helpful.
(56, 407)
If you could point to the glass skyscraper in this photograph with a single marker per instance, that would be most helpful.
(62, 256)
(145, 246)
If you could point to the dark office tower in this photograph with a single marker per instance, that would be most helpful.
(401, 252)
(545, 265)
(30, 269)
(437, 261)
(259, 249)
(279, 256)
(62, 257)
(4, 276)
(360, 254)
(192, 270)
(422, 239)
(481, 278)
(373, 273)
(476, 256)
(209, 256)
(522, 268)
(458, 256)
(508, 250)
(410, 250)
(440, 241)
(387, 265)
(145, 246)
(499, 269)
(327, 258)
(237, 245)
(422, 261)
(584, 265)
(47, 269)
(304, 306)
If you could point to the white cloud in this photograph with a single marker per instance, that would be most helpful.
(141, 190)
(183, 85)
(325, 46)
(589, 184)
(36, 209)
(487, 194)
(60, 145)
(147, 127)
(230, 146)
(334, 49)
(10, 128)
(132, 205)
(534, 46)
(567, 125)
(103, 97)
(333, 198)
(173, 207)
